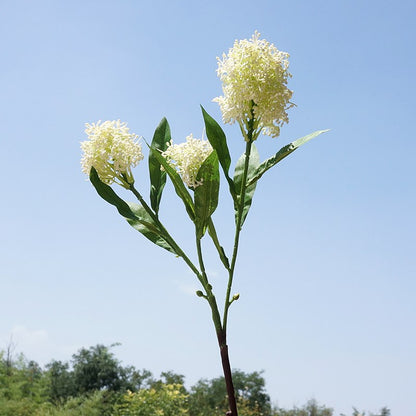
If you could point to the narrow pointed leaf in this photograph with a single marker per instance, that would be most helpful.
(106, 192)
(253, 164)
(218, 140)
(135, 214)
(180, 189)
(157, 176)
(213, 234)
(206, 194)
(281, 154)
(144, 223)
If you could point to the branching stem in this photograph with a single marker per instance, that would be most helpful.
(167, 236)
(220, 327)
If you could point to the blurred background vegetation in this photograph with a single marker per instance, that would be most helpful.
(95, 383)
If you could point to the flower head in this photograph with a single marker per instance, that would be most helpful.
(187, 158)
(112, 150)
(254, 76)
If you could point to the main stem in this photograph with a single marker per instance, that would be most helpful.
(228, 301)
(221, 336)
(225, 361)
(220, 327)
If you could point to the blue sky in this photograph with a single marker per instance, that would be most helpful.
(326, 268)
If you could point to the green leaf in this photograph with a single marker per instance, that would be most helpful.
(144, 223)
(206, 194)
(180, 189)
(135, 214)
(253, 164)
(281, 154)
(107, 193)
(157, 176)
(216, 137)
(213, 234)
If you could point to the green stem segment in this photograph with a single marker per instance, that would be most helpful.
(242, 195)
(208, 289)
(221, 336)
(166, 234)
(220, 327)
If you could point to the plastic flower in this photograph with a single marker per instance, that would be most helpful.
(254, 76)
(187, 158)
(112, 150)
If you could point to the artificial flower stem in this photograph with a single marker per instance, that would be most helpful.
(238, 228)
(225, 361)
(221, 336)
(169, 238)
(201, 262)
(208, 288)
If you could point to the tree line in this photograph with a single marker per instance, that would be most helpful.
(95, 383)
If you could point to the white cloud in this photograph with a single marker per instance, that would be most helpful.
(36, 344)
(29, 337)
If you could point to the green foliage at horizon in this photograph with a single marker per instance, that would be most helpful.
(95, 383)
(166, 400)
(207, 395)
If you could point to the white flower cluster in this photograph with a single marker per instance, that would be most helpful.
(254, 76)
(188, 157)
(112, 150)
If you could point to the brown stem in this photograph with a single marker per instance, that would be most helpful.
(222, 341)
